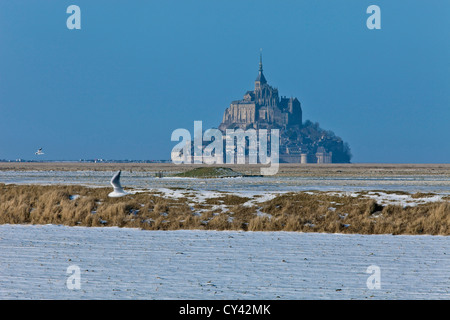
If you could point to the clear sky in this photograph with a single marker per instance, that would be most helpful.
(137, 70)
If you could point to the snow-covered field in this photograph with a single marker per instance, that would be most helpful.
(119, 263)
(147, 180)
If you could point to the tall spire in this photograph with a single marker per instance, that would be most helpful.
(260, 60)
(260, 79)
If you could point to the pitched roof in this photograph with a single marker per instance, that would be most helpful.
(261, 77)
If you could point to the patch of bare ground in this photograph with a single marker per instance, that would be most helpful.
(296, 211)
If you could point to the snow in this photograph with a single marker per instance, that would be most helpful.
(190, 264)
(200, 196)
(401, 199)
(120, 263)
(258, 197)
(391, 198)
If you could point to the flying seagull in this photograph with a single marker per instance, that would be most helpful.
(39, 152)
(115, 182)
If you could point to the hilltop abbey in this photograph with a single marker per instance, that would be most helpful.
(262, 108)
(300, 142)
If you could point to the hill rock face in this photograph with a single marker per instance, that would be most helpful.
(300, 142)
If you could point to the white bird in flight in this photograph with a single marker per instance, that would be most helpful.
(118, 190)
(39, 152)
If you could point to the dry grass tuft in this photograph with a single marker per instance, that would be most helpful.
(418, 195)
(302, 211)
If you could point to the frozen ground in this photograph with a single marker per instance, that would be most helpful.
(134, 264)
(147, 180)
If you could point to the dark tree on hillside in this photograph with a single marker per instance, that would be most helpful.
(319, 137)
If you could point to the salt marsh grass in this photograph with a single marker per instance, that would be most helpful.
(314, 211)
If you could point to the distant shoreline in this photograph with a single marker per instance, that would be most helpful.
(285, 169)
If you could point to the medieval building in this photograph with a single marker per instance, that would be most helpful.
(263, 108)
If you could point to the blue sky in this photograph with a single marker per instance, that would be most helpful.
(137, 70)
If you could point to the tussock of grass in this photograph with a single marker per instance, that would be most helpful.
(209, 172)
(302, 211)
(418, 195)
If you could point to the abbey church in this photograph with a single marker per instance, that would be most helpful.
(300, 142)
(262, 108)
